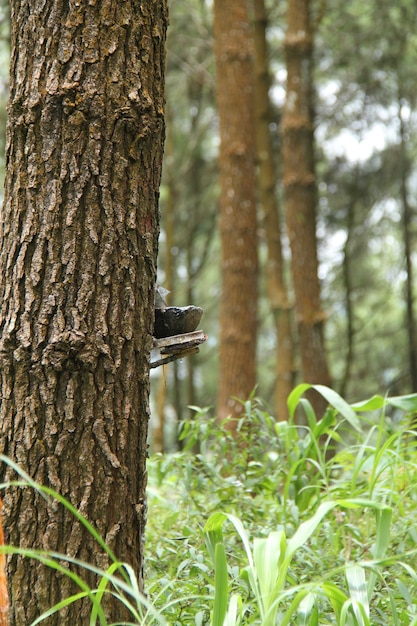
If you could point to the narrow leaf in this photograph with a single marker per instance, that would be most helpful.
(355, 577)
(332, 398)
(220, 586)
(307, 528)
(213, 532)
(234, 611)
(338, 403)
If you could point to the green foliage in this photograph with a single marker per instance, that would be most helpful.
(268, 529)
(316, 538)
(361, 80)
(268, 566)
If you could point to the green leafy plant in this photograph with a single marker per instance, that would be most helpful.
(334, 538)
(281, 481)
(268, 563)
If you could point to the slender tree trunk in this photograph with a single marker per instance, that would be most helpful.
(408, 248)
(159, 428)
(238, 306)
(191, 370)
(79, 230)
(168, 222)
(190, 361)
(267, 179)
(300, 194)
(347, 281)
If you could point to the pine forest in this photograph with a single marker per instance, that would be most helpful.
(208, 324)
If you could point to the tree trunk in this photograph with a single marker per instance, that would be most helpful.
(79, 230)
(347, 284)
(167, 221)
(267, 179)
(238, 306)
(300, 194)
(408, 251)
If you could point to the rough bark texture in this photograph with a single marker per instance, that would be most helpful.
(238, 306)
(300, 194)
(267, 179)
(79, 230)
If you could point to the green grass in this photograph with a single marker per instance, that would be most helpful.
(278, 532)
(275, 531)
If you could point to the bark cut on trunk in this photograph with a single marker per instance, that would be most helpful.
(300, 195)
(79, 230)
(238, 306)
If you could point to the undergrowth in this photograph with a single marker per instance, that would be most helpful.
(285, 524)
(332, 532)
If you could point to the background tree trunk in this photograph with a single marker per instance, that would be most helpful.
(168, 215)
(267, 180)
(79, 231)
(347, 283)
(238, 307)
(300, 195)
(407, 222)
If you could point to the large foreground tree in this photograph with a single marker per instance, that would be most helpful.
(238, 307)
(79, 230)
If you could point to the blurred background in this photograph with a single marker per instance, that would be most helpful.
(364, 87)
(362, 78)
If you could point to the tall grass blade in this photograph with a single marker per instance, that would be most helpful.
(213, 532)
(234, 612)
(269, 556)
(307, 528)
(331, 396)
(383, 527)
(243, 536)
(307, 611)
(407, 403)
(47, 491)
(105, 581)
(336, 598)
(221, 585)
(61, 605)
(292, 612)
(353, 614)
(355, 577)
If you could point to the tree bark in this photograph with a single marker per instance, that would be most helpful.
(79, 230)
(300, 194)
(233, 46)
(267, 179)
